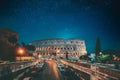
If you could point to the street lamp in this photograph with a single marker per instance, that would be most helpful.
(20, 51)
(100, 53)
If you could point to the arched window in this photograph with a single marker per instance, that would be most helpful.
(74, 48)
(45, 42)
(64, 48)
(77, 42)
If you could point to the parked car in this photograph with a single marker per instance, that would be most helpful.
(59, 65)
(62, 69)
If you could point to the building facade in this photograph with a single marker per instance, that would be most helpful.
(60, 47)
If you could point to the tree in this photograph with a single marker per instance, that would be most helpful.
(12, 39)
(30, 47)
(7, 37)
(97, 47)
(104, 58)
(23, 44)
(118, 52)
(7, 52)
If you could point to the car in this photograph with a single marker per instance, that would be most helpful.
(62, 69)
(41, 64)
(59, 65)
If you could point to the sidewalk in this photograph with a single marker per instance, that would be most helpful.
(111, 66)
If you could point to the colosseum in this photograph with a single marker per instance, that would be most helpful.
(60, 47)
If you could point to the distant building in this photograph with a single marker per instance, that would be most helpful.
(60, 47)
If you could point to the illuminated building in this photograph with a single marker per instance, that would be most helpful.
(60, 47)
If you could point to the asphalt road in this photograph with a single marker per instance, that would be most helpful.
(48, 72)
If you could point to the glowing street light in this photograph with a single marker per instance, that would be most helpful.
(100, 53)
(20, 51)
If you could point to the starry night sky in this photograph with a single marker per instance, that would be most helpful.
(81, 19)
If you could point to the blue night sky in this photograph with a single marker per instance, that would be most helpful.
(81, 19)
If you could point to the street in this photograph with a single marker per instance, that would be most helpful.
(45, 70)
(48, 72)
(50, 69)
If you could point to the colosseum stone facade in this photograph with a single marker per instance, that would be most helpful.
(60, 47)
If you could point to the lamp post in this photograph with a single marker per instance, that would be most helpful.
(100, 53)
(100, 56)
(20, 51)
